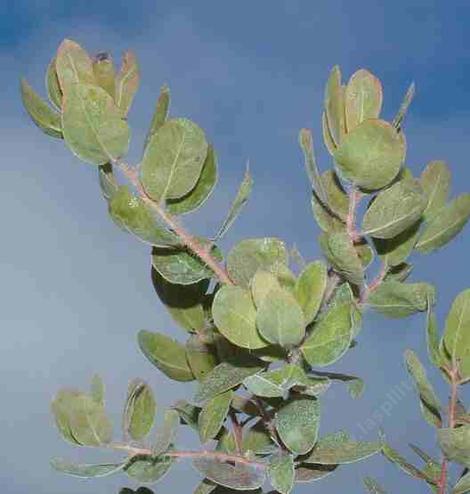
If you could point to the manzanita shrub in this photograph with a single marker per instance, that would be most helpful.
(261, 326)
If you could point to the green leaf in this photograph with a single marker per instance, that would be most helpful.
(400, 272)
(127, 82)
(205, 487)
(432, 338)
(395, 299)
(139, 412)
(131, 213)
(166, 354)
(73, 65)
(306, 143)
(341, 254)
(148, 469)
(394, 210)
(97, 390)
(108, 183)
(310, 288)
(310, 473)
(160, 115)
(52, 84)
(47, 119)
(445, 225)
(330, 337)
(403, 464)
(183, 302)
(201, 355)
(237, 476)
(281, 472)
(93, 127)
(428, 398)
(80, 419)
(280, 319)
(261, 284)
(105, 73)
(195, 198)
(234, 315)
(189, 414)
(86, 471)
(408, 98)
(225, 376)
(355, 385)
(373, 486)
(455, 443)
(166, 433)
(363, 98)
(463, 485)
(173, 159)
(238, 203)
(250, 255)
(339, 449)
(327, 137)
(334, 106)
(297, 424)
(394, 251)
(182, 267)
(213, 415)
(258, 440)
(371, 155)
(435, 181)
(337, 199)
(457, 333)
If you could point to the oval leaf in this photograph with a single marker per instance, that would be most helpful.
(213, 415)
(139, 412)
(310, 288)
(435, 181)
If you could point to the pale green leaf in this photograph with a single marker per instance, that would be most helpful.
(457, 333)
(166, 354)
(139, 411)
(463, 485)
(97, 390)
(297, 424)
(435, 181)
(133, 214)
(52, 85)
(161, 112)
(261, 284)
(281, 472)
(182, 267)
(47, 119)
(372, 486)
(196, 197)
(445, 224)
(371, 155)
(394, 210)
(173, 160)
(330, 337)
(148, 469)
(234, 315)
(341, 254)
(395, 299)
(243, 194)
(225, 376)
(432, 338)
(394, 251)
(73, 65)
(201, 355)
(166, 432)
(213, 415)
(238, 476)
(105, 73)
(310, 473)
(127, 82)
(395, 457)
(310, 288)
(334, 105)
(93, 127)
(427, 395)
(327, 137)
(86, 471)
(455, 443)
(339, 449)
(280, 319)
(402, 111)
(363, 98)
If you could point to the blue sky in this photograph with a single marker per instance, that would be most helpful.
(76, 290)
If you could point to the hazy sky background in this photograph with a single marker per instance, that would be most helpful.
(76, 289)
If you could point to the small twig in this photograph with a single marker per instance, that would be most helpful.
(374, 284)
(216, 455)
(454, 376)
(200, 250)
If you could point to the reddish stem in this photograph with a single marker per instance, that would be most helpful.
(202, 251)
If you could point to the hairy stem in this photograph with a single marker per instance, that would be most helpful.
(216, 455)
(193, 244)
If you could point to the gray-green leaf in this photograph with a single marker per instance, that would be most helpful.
(167, 432)
(127, 82)
(213, 415)
(86, 471)
(455, 443)
(310, 288)
(281, 472)
(435, 181)
(139, 411)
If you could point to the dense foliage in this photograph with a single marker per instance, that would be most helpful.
(260, 324)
